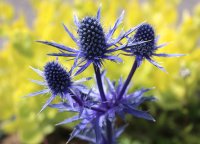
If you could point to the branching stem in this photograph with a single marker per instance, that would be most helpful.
(133, 69)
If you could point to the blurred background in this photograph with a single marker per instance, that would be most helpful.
(177, 111)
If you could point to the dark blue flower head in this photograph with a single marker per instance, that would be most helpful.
(92, 38)
(57, 78)
(94, 44)
(58, 81)
(144, 33)
(147, 47)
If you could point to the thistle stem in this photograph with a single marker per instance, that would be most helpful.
(75, 98)
(133, 69)
(109, 131)
(96, 109)
(103, 98)
(78, 100)
(99, 83)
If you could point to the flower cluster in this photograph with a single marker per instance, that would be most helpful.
(97, 108)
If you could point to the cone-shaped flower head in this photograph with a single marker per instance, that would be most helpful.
(57, 81)
(145, 35)
(92, 38)
(57, 78)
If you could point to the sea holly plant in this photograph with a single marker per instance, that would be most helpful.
(98, 108)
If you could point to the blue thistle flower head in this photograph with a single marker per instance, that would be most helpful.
(57, 78)
(92, 38)
(57, 81)
(94, 44)
(146, 47)
(144, 33)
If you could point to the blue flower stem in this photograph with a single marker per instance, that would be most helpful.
(99, 83)
(103, 98)
(109, 131)
(133, 69)
(78, 100)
